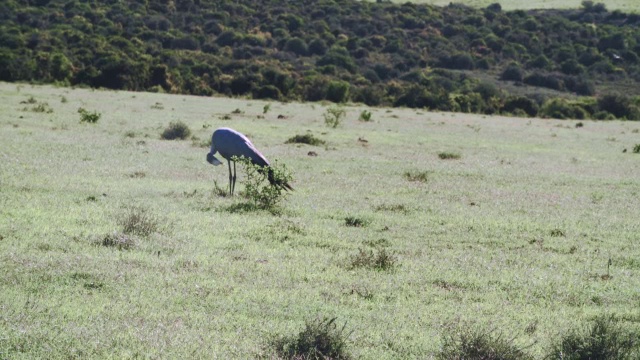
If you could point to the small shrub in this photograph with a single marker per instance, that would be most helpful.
(636, 149)
(63, 99)
(117, 240)
(137, 221)
(557, 233)
(380, 259)
(355, 221)
(420, 176)
(333, 116)
(365, 116)
(89, 116)
(176, 130)
(305, 139)
(266, 108)
(449, 155)
(480, 344)
(263, 194)
(320, 339)
(603, 340)
(237, 111)
(42, 107)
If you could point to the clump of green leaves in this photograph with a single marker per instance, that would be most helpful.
(419, 176)
(604, 339)
(334, 116)
(176, 130)
(355, 221)
(480, 344)
(305, 139)
(320, 339)
(636, 149)
(91, 117)
(266, 108)
(365, 116)
(262, 193)
(378, 259)
(138, 221)
(445, 155)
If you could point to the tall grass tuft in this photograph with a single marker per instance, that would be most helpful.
(380, 259)
(604, 339)
(480, 344)
(320, 339)
(137, 221)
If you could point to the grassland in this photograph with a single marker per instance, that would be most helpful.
(624, 5)
(514, 234)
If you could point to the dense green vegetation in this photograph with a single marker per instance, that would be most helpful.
(453, 58)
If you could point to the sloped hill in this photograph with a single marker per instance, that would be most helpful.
(452, 58)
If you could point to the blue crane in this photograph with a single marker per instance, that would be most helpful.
(230, 143)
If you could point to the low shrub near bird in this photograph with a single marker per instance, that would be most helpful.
(176, 130)
(308, 139)
(262, 193)
(320, 339)
(365, 116)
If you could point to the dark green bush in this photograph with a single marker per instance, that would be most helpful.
(305, 139)
(320, 339)
(176, 130)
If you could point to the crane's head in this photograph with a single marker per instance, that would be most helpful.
(212, 160)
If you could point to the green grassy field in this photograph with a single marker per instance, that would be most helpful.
(624, 5)
(515, 235)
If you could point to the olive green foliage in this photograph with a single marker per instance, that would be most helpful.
(474, 343)
(378, 259)
(603, 339)
(263, 194)
(305, 139)
(365, 116)
(334, 116)
(176, 130)
(91, 117)
(446, 155)
(636, 149)
(320, 339)
(370, 52)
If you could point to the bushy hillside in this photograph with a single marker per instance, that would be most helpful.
(453, 58)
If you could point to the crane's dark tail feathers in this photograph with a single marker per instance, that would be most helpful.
(277, 182)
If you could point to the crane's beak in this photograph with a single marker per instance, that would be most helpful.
(212, 160)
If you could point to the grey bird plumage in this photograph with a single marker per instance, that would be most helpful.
(230, 143)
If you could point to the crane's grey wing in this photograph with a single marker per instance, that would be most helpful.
(230, 143)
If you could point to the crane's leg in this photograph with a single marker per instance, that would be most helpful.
(230, 177)
(233, 188)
